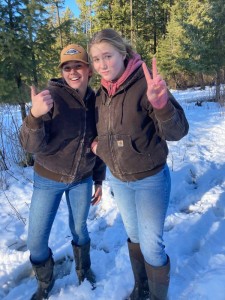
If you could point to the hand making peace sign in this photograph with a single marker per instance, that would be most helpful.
(157, 89)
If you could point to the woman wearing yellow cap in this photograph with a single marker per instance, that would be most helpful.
(59, 131)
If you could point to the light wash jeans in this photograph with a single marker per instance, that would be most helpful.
(143, 205)
(45, 201)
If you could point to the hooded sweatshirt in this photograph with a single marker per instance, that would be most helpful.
(131, 133)
(132, 65)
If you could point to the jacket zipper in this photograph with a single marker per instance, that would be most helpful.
(81, 148)
(115, 165)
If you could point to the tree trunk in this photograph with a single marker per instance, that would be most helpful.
(23, 110)
(59, 23)
(202, 82)
(131, 23)
(218, 82)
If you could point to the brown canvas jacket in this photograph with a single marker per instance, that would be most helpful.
(61, 139)
(131, 134)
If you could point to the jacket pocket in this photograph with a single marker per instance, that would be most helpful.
(104, 151)
(131, 161)
(119, 154)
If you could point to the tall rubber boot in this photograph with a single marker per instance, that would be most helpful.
(141, 289)
(44, 275)
(158, 280)
(83, 263)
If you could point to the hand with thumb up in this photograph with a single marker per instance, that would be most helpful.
(41, 103)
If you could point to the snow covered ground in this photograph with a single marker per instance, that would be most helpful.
(194, 227)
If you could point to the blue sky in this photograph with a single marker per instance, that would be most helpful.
(72, 5)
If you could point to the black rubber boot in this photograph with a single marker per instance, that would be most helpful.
(44, 275)
(158, 280)
(83, 263)
(141, 289)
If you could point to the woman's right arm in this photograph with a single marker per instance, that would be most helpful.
(32, 132)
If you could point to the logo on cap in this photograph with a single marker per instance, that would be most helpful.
(71, 52)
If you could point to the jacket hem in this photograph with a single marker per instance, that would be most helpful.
(137, 176)
(58, 177)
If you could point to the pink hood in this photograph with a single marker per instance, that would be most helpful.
(133, 64)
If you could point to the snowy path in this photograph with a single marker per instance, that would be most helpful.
(194, 228)
(195, 224)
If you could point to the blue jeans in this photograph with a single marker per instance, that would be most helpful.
(143, 205)
(45, 201)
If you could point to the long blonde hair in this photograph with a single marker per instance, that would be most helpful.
(113, 38)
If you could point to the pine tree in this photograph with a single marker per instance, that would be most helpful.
(205, 28)
(170, 53)
(25, 49)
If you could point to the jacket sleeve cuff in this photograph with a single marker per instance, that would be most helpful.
(166, 113)
(97, 182)
(34, 123)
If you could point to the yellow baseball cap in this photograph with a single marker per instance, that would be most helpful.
(73, 52)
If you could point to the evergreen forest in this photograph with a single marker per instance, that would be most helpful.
(186, 36)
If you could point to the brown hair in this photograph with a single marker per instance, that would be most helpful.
(113, 38)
